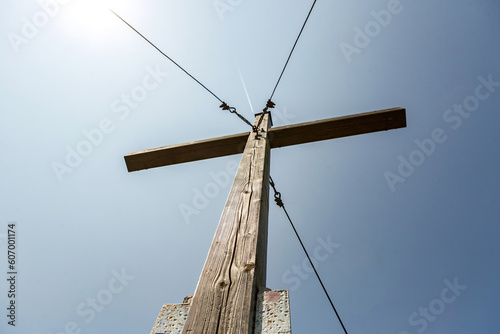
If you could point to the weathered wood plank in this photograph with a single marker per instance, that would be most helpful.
(187, 152)
(235, 269)
(338, 127)
(279, 137)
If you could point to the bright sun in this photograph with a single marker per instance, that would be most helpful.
(89, 17)
(92, 13)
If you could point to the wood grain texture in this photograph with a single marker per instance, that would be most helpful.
(338, 127)
(187, 152)
(279, 137)
(235, 268)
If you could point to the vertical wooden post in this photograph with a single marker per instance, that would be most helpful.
(235, 269)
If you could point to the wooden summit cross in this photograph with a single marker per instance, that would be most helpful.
(235, 270)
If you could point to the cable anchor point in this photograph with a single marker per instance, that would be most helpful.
(277, 199)
(269, 105)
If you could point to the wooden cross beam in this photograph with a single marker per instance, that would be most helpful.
(281, 136)
(235, 269)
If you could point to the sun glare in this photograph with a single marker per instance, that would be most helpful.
(89, 17)
(94, 14)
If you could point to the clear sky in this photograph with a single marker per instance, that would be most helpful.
(403, 224)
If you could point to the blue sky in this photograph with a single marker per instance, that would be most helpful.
(405, 222)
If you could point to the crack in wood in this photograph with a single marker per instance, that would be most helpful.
(224, 299)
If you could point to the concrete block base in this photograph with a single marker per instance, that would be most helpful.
(272, 316)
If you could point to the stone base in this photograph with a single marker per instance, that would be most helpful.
(273, 313)
(272, 316)
(171, 319)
